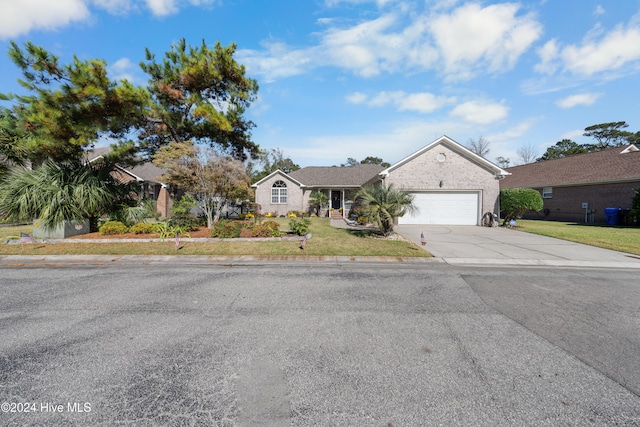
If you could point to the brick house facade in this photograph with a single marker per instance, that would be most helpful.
(449, 183)
(579, 188)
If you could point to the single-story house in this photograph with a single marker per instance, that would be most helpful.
(450, 185)
(146, 175)
(579, 188)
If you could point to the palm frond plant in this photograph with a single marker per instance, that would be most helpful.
(55, 192)
(382, 205)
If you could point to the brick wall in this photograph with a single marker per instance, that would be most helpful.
(566, 203)
(294, 196)
(456, 172)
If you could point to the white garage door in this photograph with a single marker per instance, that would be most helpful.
(449, 208)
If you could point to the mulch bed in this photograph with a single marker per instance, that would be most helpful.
(202, 232)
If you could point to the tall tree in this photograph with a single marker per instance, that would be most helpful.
(350, 162)
(370, 160)
(479, 146)
(527, 153)
(563, 148)
(200, 95)
(267, 162)
(215, 180)
(503, 162)
(607, 135)
(69, 107)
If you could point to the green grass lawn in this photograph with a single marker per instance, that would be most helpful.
(623, 239)
(325, 241)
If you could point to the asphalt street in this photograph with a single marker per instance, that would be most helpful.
(302, 344)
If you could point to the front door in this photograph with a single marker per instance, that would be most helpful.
(336, 201)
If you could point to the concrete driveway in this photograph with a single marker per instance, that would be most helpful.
(504, 246)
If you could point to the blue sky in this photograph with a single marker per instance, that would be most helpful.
(358, 78)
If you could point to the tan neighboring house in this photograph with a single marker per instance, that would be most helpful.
(146, 175)
(450, 185)
(579, 188)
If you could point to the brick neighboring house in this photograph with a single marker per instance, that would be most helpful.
(146, 175)
(602, 179)
(450, 185)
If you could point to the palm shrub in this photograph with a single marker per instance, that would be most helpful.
(55, 192)
(382, 205)
(317, 200)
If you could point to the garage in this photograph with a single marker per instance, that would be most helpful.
(445, 208)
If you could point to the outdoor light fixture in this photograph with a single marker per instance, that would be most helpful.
(441, 184)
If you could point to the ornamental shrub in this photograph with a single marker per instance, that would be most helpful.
(263, 230)
(300, 226)
(113, 227)
(226, 229)
(187, 222)
(143, 228)
(514, 202)
(635, 208)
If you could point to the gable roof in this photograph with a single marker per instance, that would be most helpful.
(454, 146)
(336, 176)
(143, 172)
(612, 165)
(277, 172)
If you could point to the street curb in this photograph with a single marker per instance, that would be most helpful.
(36, 260)
(258, 260)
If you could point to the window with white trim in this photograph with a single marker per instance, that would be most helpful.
(547, 193)
(279, 193)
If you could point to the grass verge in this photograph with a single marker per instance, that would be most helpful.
(623, 239)
(326, 241)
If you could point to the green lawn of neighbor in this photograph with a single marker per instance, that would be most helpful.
(623, 239)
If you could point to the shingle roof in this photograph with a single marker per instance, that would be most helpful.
(609, 165)
(147, 170)
(352, 176)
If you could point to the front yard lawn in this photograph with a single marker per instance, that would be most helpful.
(325, 241)
(623, 239)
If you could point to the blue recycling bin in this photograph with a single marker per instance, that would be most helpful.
(613, 216)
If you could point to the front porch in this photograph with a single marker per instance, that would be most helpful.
(340, 202)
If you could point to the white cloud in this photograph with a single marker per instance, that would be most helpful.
(278, 61)
(599, 10)
(421, 102)
(21, 17)
(480, 112)
(473, 39)
(617, 48)
(162, 7)
(124, 69)
(599, 52)
(356, 98)
(366, 49)
(578, 99)
(458, 44)
(379, 3)
(548, 58)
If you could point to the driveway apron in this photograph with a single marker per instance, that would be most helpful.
(498, 245)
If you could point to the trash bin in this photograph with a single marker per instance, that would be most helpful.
(613, 216)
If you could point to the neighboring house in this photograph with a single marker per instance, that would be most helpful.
(450, 185)
(146, 175)
(580, 187)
